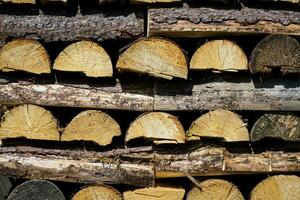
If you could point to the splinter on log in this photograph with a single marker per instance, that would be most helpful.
(155, 193)
(280, 52)
(221, 55)
(37, 190)
(281, 187)
(159, 126)
(220, 124)
(92, 125)
(154, 56)
(25, 55)
(215, 189)
(18, 1)
(280, 126)
(29, 121)
(87, 57)
(97, 192)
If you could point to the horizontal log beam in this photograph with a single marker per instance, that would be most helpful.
(203, 22)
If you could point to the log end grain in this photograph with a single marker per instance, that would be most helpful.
(97, 192)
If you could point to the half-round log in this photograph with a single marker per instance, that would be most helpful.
(159, 126)
(25, 55)
(97, 192)
(156, 57)
(29, 121)
(92, 125)
(87, 57)
(221, 55)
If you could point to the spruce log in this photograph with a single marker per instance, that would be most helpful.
(159, 126)
(276, 52)
(215, 189)
(155, 193)
(36, 189)
(29, 121)
(87, 57)
(18, 1)
(104, 25)
(278, 187)
(219, 124)
(280, 126)
(156, 57)
(25, 55)
(221, 55)
(98, 192)
(92, 125)
(5, 187)
(202, 22)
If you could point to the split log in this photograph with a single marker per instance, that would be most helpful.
(156, 57)
(280, 126)
(221, 55)
(219, 124)
(276, 52)
(159, 126)
(36, 189)
(278, 187)
(202, 22)
(119, 23)
(98, 192)
(18, 1)
(155, 193)
(5, 187)
(29, 121)
(25, 55)
(215, 189)
(87, 57)
(92, 125)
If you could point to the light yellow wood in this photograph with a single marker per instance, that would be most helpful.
(156, 57)
(221, 55)
(25, 55)
(215, 189)
(92, 125)
(153, 1)
(29, 121)
(155, 193)
(220, 124)
(99, 192)
(87, 57)
(160, 126)
(281, 187)
(18, 1)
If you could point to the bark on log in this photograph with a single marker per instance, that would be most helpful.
(153, 1)
(287, 1)
(276, 52)
(18, 1)
(109, 24)
(279, 126)
(36, 189)
(202, 22)
(98, 192)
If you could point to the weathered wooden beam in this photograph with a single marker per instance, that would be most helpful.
(103, 25)
(202, 22)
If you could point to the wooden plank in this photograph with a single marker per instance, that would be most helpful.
(203, 22)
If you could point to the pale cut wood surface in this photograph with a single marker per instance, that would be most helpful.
(92, 125)
(87, 57)
(280, 187)
(221, 55)
(97, 192)
(155, 193)
(215, 189)
(219, 123)
(154, 56)
(18, 1)
(24, 55)
(159, 126)
(29, 121)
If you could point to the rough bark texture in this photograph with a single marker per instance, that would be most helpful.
(5, 186)
(36, 189)
(276, 52)
(111, 24)
(194, 22)
(280, 126)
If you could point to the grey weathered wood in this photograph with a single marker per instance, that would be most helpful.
(103, 25)
(37, 190)
(280, 126)
(5, 186)
(276, 52)
(202, 22)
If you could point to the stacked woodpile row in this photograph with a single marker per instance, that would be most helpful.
(149, 99)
